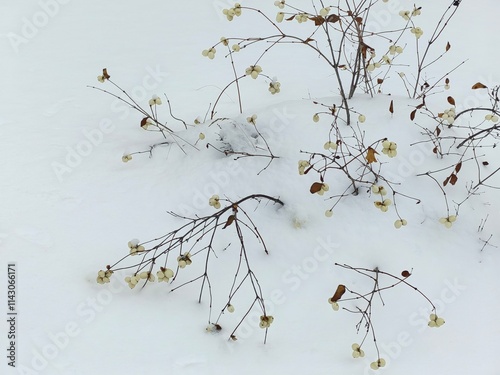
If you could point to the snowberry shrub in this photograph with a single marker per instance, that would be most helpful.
(198, 235)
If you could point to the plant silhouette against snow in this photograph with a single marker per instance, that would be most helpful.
(366, 310)
(165, 258)
(338, 34)
(470, 142)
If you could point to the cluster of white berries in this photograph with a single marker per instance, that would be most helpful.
(386, 59)
(224, 40)
(134, 247)
(449, 116)
(357, 352)
(253, 71)
(210, 53)
(377, 364)
(435, 321)
(395, 49)
(133, 280)
(266, 321)
(252, 119)
(417, 31)
(324, 12)
(405, 14)
(491, 117)
(274, 87)
(231, 12)
(324, 188)
(147, 124)
(214, 201)
(383, 205)
(335, 305)
(389, 148)
(303, 164)
(280, 3)
(213, 327)
(126, 158)
(155, 100)
(184, 260)
(448, 221)
(164, 274)
(301, 17)
(330, 146)
(400, 223)
(371, 67)
(101, 78)
(379, 190)
(103, 276)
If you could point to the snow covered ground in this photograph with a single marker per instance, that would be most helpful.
(69, 205)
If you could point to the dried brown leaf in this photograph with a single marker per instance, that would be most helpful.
(332, 18)
(453, 179)
(478, 85)
(370, 155)
(338, 293)
(405, 273)
(315, 187)
(458, 167)
(412, 114)
(451, 100)
(318, 20)
(229, 221)
(445, 182)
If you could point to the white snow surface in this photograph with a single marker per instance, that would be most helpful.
(61, 228)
